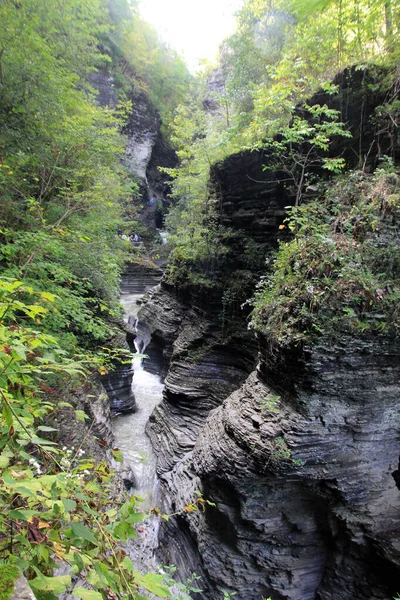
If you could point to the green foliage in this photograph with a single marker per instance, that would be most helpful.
(57, 506)
(61, 182)
(8, 576)
(325, 36)
(181, 591)
(280, 54)
(143, 62)
(197, 240)
(270, 405)
(305, 144)
(340, 272)
(281, 451)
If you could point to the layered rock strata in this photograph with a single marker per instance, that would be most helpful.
(300, 456)
(306, 502)
(203, 370)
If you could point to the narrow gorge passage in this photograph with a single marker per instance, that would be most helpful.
(129, 430)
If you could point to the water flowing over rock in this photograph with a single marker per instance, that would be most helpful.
(306, 499)
(203, 370)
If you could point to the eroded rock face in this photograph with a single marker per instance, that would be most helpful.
(300, 456)
(142, 130)
(118, 382)
(307, 506)
(203, 370)
(103, 82)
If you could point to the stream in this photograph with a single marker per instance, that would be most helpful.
(129, 430)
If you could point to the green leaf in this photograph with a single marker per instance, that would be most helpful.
(95, 580)
(57, 584)
(4, 461)
(7, 415)
(45, 428)
(85, 594)
(81, 415)
(153, 583)
(68, 504)
(117, 455)
(123, 531)
(127, 564)
(47, 296)
(41, 441)
(23, 515)
(81, 531)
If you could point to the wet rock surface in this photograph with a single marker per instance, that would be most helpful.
(141, 130)
(103, 82)
(202, 370)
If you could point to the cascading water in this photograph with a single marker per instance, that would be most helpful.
(129, 430)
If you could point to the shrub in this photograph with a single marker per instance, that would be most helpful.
(340, 272)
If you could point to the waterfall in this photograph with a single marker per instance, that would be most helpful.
(129, 430)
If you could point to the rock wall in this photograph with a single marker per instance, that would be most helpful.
(300, 455)
(146, 147)
(103, 82)
(311, 508)
(141, 131)
(203, 369)
(307, 505)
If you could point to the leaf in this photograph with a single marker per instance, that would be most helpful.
(47, 296)
(4, 460)
(117, 455)
(7, 415)
(123, 531)
(46, 428)
(57, 584)
(80, 531)
(68, 504)
(23, 515)
(85, 594)
(41, 441)
(127, 564)
(81, 415)
(153, 583)
(95, 580)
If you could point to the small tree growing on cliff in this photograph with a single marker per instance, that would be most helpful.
(303, 146)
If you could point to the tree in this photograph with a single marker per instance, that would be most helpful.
(304, 145)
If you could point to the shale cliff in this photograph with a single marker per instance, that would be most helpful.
(298, 448)
(146, 146)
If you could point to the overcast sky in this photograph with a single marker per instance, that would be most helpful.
(193, 27)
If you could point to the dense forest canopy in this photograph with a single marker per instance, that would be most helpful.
(64, 194)
(281, 53)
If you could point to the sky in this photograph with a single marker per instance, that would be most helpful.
(194, 27)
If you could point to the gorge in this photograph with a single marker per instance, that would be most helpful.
(199, 305)
(298, 449)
